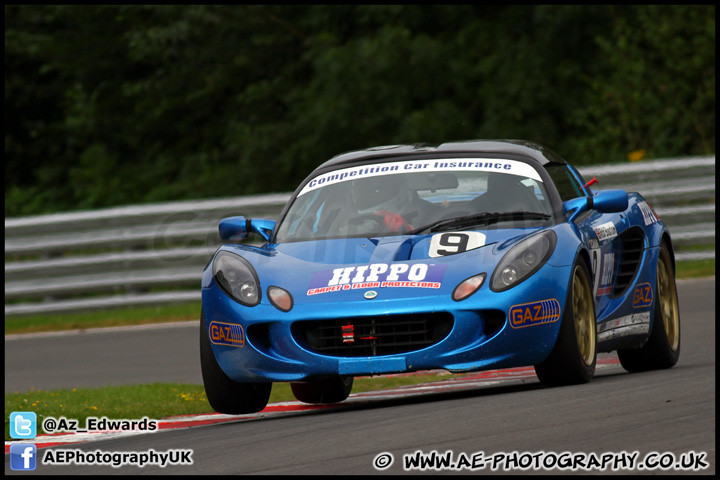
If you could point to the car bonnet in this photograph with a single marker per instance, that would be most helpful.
(408, 266)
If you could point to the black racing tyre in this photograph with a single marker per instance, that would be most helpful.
(574, 356)
(323, 390)
(224, 394)
(662, 349)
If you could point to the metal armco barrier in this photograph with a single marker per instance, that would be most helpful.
(155, 254)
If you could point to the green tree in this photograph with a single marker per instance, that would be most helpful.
(112, 104)
(657, 88)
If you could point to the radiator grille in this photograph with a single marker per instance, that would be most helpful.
(373, 336)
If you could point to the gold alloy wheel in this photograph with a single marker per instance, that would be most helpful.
(667, 301)
(584, 316)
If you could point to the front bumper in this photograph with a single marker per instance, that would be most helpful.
(487, 332)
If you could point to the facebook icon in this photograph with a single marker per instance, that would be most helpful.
(23, 456)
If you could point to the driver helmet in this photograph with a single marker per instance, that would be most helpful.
(386, 192)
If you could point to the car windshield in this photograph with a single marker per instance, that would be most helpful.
(413, 196)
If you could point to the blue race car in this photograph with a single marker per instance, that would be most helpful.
(464, 256)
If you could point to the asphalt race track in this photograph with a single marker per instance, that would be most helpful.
(507, 421)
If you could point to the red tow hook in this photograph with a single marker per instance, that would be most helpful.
(348, 333)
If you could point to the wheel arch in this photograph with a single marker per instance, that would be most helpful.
(584, 255)
(665, 239)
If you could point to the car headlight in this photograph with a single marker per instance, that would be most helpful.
(523, 260)
(237, 278)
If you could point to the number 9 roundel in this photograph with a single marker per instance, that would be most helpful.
(450, 243)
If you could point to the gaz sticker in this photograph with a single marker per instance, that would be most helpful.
(643, 296)
(534, 313)
(450, 243)
(228, 334)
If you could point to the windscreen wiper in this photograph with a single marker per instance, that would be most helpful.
(478, 219)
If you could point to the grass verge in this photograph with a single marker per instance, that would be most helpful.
(102, 318)
(695, 268)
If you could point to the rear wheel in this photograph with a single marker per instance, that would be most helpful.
(572, 360)
(662, 349)
(224, 394)
(323, 390)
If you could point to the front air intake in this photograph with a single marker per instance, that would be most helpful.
(373, 336)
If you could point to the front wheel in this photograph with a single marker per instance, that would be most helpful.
(662, 349)
(572, 360)
(224, 394)
(323, 390)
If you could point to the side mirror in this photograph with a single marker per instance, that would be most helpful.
(236, 229)
(604, 201)
(609, 201)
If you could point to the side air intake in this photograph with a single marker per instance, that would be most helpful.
(633, 244)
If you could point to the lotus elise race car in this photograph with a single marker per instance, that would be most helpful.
(464, 256)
